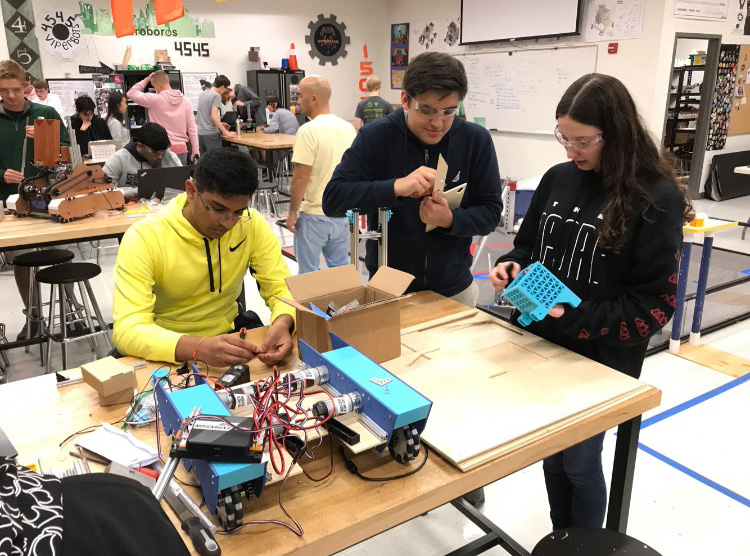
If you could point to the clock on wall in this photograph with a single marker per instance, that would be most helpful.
(327, 39)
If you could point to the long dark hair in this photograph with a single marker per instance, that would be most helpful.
(113, 107)
(629, 157)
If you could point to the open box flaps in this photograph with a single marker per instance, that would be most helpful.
(392, 281)
(328, 281)
(374, 327)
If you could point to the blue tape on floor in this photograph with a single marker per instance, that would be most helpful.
(697, 476)
(695, 401)
(745, 271)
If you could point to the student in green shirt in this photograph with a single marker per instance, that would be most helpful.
(17, 117)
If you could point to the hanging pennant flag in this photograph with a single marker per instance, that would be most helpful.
(168, 10)
(122, 17)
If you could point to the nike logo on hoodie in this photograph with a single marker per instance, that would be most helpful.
(233, 249)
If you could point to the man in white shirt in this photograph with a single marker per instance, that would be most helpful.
(41, 87)
(318, 149)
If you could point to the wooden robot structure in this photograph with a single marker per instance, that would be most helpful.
(64, 188)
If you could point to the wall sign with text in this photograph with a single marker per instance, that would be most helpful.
(59, 31)
(187, 48)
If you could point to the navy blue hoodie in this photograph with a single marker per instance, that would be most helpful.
(386, 150)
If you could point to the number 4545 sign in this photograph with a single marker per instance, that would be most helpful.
(187, 48)
(59, 31)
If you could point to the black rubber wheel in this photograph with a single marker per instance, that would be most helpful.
(239, 511)
(225, 510)
(404, 445)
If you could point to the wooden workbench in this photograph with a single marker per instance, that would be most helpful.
(43, 230)
(266, 141)
(341, 510)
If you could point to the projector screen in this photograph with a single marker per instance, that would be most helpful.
(503, 20)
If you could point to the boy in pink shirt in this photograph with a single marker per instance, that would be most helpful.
(171, 109)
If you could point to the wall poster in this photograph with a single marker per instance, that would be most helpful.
(399, 53)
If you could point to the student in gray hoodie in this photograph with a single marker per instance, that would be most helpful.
(149, 150)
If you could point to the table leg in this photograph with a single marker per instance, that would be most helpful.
(674, 342)
(623, 470)
(700, 296)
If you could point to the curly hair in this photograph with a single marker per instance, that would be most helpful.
(630, 158)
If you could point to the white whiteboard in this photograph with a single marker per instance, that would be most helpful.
(191, 86)
(70, 89)
(499, 20)
(520, 92)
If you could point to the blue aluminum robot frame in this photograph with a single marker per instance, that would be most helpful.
(388, 404)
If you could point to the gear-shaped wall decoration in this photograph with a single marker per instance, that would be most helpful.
(327, 39)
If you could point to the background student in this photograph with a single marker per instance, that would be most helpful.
(170, 109)
(87, 125)
(17, 117)
(373, 107)
(608, 224)
(208, 120)
(41, 88)
(117, 109)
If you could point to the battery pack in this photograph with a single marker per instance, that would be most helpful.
(213, 439)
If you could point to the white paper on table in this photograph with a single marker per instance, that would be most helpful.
(119, 446)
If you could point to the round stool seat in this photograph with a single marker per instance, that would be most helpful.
(578, 541)
(68, 273)
(43, 258)
(265, 185)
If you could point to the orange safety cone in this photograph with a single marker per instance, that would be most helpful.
(168, 10)
(293, 59)
(122, 17)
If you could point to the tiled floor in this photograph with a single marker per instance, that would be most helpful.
(691, 496)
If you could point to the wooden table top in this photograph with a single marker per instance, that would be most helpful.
(39, 230)
(260, 140)
(335, 513)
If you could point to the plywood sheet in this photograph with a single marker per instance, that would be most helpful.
(512, 387)
(472, 416)
(727, 363)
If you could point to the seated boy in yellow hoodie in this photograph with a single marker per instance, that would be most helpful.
(179, 273)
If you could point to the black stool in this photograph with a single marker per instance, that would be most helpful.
(61, 276)
(577, 541)
(33, 261)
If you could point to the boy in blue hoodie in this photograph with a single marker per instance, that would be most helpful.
(392, 163)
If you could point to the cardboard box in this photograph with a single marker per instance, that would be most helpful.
(374, 327)
(126, 396)
(109, 377)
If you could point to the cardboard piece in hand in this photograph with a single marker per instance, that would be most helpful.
(442, 174)
(454, 197)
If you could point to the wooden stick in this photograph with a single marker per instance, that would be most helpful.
(439, 322)
(422, 353)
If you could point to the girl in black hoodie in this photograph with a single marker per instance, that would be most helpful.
(608, 224)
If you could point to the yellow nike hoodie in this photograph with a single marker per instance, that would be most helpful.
(170, 281)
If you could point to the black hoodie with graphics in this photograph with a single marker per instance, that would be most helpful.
(627, 296)
(386, 150)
